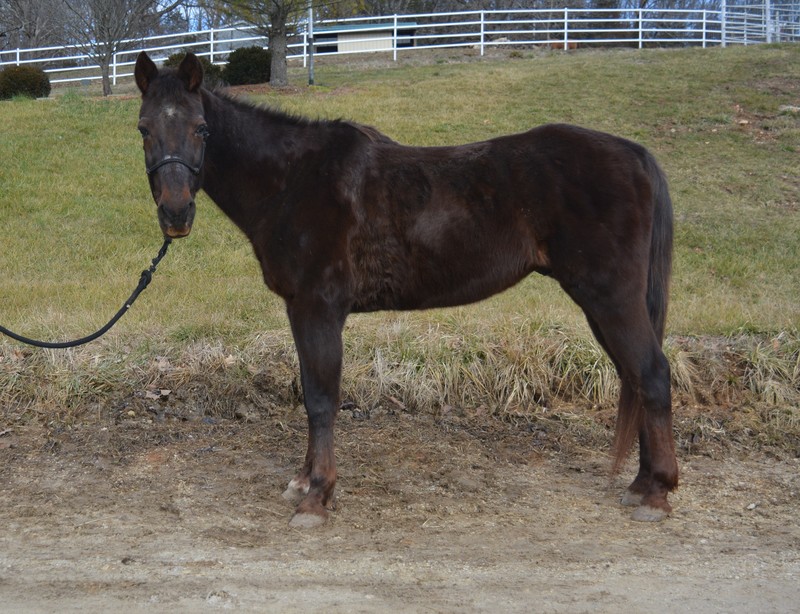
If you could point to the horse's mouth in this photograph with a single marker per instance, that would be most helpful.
(177, 233)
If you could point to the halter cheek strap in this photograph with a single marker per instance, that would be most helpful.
(195, 170)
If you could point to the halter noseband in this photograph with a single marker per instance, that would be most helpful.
(195, 170)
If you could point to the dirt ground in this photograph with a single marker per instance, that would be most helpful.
(151, 513)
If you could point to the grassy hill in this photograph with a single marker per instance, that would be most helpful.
(77, 225)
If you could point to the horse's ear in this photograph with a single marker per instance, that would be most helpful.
(191, 72)
(145, 71)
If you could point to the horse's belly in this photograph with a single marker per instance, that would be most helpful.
(451, 290)
(442, 257)
(434, 283)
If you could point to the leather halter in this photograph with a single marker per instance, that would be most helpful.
(195, 170)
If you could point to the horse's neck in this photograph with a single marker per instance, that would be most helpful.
(245, 166)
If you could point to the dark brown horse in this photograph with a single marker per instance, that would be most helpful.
(343, 219)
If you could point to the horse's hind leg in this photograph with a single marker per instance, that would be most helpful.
(629, 404)
(645, 401)
(647, 493)
(317, 331)
(645, 406)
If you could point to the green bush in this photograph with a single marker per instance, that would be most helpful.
(24, 81)
(212, 74)
(248, 65)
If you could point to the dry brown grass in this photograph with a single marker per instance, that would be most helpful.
(741, 391)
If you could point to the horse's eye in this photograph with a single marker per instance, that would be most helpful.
(144, 132)
(202, 131)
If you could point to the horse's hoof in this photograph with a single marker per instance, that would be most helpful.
(647, 513)
(631, 499)
(305, 520)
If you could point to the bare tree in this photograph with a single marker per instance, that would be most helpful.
(206, 13)
(105, 27)
(30, 23)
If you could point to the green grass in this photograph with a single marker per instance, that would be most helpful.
(77, 223)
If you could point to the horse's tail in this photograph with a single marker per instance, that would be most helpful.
(659, 271)
(660, 267)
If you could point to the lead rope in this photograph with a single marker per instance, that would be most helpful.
(144, 280)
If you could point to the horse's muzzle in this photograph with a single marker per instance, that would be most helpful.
(176, 233)
(176, 224)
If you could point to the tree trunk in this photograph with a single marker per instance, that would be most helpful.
(278, 76)
(105, 70)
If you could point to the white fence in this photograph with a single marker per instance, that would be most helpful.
(480, 30)
(763, 23)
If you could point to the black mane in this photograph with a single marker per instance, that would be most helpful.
(266, 112)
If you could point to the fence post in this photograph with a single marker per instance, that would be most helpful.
(211, 45)
(566, 27)
(114, 69)
(768, 19)
(641, 33)
(705, 33)
(18, 57)
(722, 22)
(483, 29)
(394, 39)
(308, 45)
(745, 28)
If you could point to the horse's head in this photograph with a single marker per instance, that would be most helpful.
(174, 131)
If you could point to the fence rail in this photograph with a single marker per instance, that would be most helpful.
(481, 30)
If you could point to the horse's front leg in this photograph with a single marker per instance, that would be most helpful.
(317, 330)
